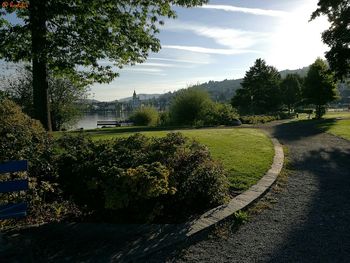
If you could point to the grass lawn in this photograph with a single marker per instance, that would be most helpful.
(245, 153)
(337, 114)
(339, 128)
(328, 115)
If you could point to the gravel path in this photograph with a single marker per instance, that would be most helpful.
(310, 221)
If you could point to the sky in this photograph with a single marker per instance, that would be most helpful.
(221, 40)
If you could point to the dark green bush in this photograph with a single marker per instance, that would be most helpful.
(219, 114)
(145, 116)
(255, 119)
(307, 111)
(22, 138)
(187, 106)
(200, 182)
(140, 178)
(164, 119)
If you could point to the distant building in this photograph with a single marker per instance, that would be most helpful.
(136, 102)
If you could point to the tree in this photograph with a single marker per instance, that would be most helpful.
(337, 37)
(63, 96)
(320, 86)
(291, 90)
(75, 38)
(145, 116)
(188, 105)
(260, 91)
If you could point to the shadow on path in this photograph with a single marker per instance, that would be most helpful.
(324, 236)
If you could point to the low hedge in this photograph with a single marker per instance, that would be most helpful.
(255, 119)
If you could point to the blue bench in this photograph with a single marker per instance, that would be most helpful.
(13, 210)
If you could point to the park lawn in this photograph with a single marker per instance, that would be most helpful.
(337, 114)
(339, 128)
(246, 154)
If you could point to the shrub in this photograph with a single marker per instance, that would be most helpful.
(164, 118)
(146, 116)
(255, 119)
(22, 138)
(219, 114)
(139, 178)
(187, 106)
(200, 182)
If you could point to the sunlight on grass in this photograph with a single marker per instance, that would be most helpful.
(340, 128)
(338, 114)
(245, 153)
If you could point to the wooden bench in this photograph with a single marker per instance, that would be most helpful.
(13, 210)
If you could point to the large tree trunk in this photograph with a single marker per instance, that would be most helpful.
(39, 62)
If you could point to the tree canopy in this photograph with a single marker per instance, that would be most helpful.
(63, 96)
(291, 90)
(337, 37)
(82, 39)
(188, 105)
(320, 87)
(260, 91)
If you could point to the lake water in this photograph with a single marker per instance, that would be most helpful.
(89, 120)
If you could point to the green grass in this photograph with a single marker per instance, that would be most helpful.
(339, 128)
(245, 153)
(328, 115)
(337, 114)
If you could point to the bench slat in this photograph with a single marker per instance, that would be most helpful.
(13, 186)
(13, 210)
(14, 166)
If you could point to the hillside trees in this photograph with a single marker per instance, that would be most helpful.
(260, 91)
(337, 36)
(75, 38)
(320, 86)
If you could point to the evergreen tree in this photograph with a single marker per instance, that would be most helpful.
(320, 87)
(260, 92)
(291, 90)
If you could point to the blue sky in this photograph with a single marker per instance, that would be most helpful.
(221, 41)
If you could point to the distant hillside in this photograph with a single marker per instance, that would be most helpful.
(221, 91)
(302, 72)
(141, 97)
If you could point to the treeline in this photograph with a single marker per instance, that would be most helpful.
(264, 91)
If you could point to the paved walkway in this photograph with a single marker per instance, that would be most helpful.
(310, 221)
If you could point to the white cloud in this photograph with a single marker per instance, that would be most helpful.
(228, 37)
(253, 11)
(179, 60)
(144, 71)
(217, 51)
(163, 65)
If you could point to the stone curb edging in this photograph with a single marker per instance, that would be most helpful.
(215, 215)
